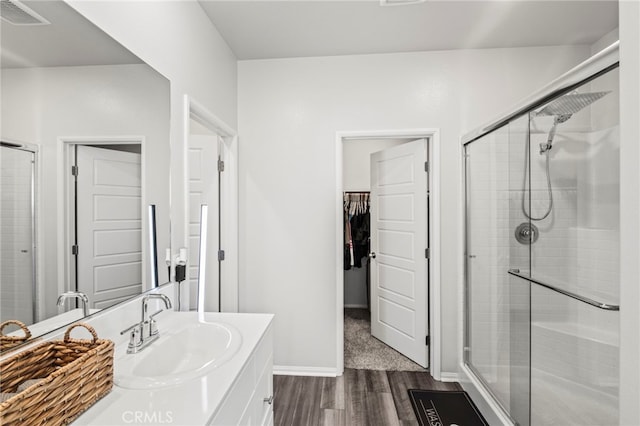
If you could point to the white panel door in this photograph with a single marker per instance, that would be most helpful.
(203, 189)
(109, 224)
(399, 227)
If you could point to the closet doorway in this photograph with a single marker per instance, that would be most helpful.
(386, 261)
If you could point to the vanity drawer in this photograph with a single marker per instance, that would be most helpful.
(234, 404)
(259, 409)
(264, 391)
(269, 420)
(264, 352)
(245, 403)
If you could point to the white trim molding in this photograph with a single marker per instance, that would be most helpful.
(446, 376)
(629, 390)
(433, 135)
(284, 370)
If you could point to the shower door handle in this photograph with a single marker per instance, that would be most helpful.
(372, 255)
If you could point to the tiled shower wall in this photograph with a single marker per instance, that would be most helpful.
(16, 236)
(578, 250)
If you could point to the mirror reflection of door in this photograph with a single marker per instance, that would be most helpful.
(61, 82)
(17, 232)
(108, 223)
(205, 151)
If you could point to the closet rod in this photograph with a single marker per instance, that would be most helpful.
(357, 192)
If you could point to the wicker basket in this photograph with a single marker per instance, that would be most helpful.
(8, 342)
(76, 373)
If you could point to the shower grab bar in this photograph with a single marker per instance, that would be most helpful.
(600, 305)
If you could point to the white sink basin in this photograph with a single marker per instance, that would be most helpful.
(185, 351)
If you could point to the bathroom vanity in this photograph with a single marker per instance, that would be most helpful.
(204, 369)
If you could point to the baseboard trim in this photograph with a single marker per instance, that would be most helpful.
(286, 370)
(449, 377)
(356, 306)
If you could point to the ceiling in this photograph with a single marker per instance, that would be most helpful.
(296, 28)
(70, 40)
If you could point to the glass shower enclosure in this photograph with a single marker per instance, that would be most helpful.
(542, 252)
(17, 233)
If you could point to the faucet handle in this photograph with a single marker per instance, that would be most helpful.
(135, 338)
(153, 327)
(152, 316)
(130, 328)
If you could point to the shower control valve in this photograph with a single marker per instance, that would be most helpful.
(526, 233)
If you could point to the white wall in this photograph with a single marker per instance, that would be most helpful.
(630, 212)
(40, 105)
(180, 42)
(289, 112)
(356, 161)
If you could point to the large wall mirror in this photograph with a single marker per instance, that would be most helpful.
(85, 151)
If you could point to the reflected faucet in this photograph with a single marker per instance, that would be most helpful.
(75, 295)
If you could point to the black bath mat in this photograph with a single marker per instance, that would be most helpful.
(445, 408)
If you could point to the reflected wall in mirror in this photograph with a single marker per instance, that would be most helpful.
(85, 132)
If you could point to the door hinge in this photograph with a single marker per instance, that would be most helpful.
(74, 249)
(427, 340)
(220, 166)
(74, 170)
(220, 255)
(427, 253)
(426, 166)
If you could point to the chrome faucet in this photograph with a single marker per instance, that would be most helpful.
(146, 331)
(145, 300)
(75, 295)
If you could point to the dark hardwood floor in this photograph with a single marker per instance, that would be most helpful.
(357, 398)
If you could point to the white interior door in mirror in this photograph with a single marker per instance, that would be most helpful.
(399, 218)
(203, 189)
(109, 225)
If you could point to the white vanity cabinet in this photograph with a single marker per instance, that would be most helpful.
(249, 402)
(231, 393)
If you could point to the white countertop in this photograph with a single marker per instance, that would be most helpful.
(191, 403)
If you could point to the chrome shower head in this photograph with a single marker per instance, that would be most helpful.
(562, 109)
(565, 106)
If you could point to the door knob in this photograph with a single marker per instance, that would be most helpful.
(372, 255)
